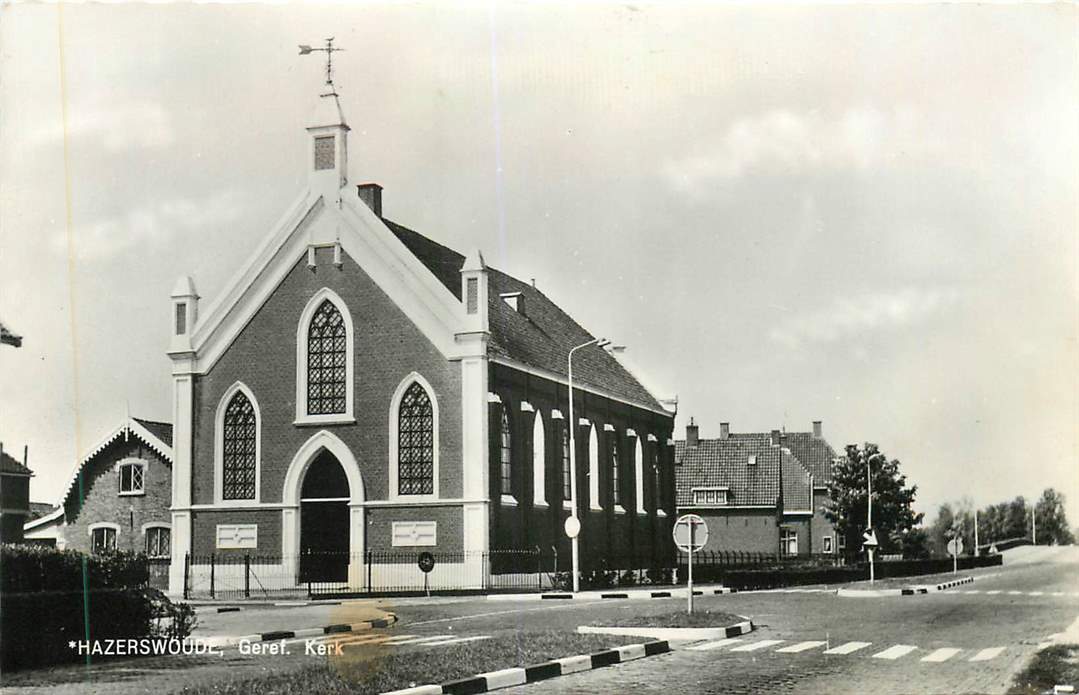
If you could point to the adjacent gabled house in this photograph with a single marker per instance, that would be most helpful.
(759, 492)
(14, 497)
(360, 387)
(117, 497)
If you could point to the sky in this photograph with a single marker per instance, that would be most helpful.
(861, 214)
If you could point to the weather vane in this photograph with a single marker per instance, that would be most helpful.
(329, 50)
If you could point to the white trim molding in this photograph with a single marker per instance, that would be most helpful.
(493, 397)
(638, 475)
(652, 438)
(154, 524)
(608, 427)
(302, 328)
(395, 423)
(527, 407)
(102, 524)
(556, 414)
(593, 471)
(219, 446)
(539, 462)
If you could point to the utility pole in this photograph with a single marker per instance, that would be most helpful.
(869, 520)
(975, 532)
(1034, 524)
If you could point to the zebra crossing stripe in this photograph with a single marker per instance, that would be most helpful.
(987, 654)
(754, 646)
(942, 654)
(708, 646)
(848, 648)
(800, 647)
(892, 653)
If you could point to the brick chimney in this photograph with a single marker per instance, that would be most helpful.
(817, 429)
(371, 195)
(692, 433)
(775, 438)
(724, 430)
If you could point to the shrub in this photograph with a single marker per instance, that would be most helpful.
(30, 568)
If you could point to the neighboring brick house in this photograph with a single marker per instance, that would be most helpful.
(758, 492)
(14, 497)
(118, 495)
(362, 387)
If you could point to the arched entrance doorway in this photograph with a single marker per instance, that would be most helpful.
(324, 521)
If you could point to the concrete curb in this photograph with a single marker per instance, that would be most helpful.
(915, 590)
(675, 634)
(627, 594)
(505, 678)
(231, 641)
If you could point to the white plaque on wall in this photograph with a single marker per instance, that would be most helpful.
(414, 533)
(237, 535)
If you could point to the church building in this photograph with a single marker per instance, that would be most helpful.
(360, 387)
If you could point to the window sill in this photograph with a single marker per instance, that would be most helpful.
(567, 505)
(540, 504)
(138, 493)
(661, 513)
(509, 501)
(595, 508)
(235, 503)
(336, 419)
(619, 509)
(641, 511)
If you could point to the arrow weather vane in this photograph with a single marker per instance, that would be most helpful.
(329, 50)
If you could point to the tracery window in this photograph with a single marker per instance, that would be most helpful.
(616, 496)
(415, 443)
(238, 455)
(327, 339)
(567, 490)
(506, 455)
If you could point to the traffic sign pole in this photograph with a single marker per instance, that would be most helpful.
(689, 591)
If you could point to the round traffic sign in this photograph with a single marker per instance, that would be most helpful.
(426, 562)
(573, 526)
(955, 546)
(690, 533)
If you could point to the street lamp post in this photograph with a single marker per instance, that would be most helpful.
(869, 520)
(572, 424)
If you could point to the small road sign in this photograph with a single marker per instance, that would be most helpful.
(690, 533)
(955, 546)
(573, 526)
(426, 562)
(870, 539)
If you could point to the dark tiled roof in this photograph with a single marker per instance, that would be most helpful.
(815, 453)
(161, 430)
(40, 509)
(725, 463)
(540, 338)
(9, 464)
(797, 494)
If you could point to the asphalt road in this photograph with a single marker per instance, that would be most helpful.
(1000, 620)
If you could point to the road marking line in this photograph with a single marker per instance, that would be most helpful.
(417, 640)
(357, 641)
(993, 592)
(456, 640)
(1034, 593)
(987, 654)
(550, 606)
(800, 647)
(892, 653)
(1058, 593)
(754, 646)
(1015, 593)
(848, 648)
(708, 646)
(942, 654)
(973, 591)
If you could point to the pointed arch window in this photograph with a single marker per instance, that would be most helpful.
(506, 454)
(616, 492)
(567, 477)
(239, 454)
(415, 443)
(326, 361)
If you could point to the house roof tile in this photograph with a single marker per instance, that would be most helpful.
(9, 464)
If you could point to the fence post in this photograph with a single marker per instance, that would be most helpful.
(367, 562)
(187, 573)
(247, 575)
(212, 564)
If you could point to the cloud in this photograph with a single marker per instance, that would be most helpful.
(849, 316)
(857, 139)
(150, 226)
(117, 128)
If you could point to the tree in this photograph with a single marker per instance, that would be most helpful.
(893, 518)
(1052, 522)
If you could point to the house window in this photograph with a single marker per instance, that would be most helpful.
(238, 455)
(842, 543)
(616, 496)
(157, 541)
(324, 152)
(567, 476)
(506, 455)
(415, 443)
(132, 478)
(103, 539)
(656, 482)
(788, 540)
(326, 361)
(827, 544)
(709, 497)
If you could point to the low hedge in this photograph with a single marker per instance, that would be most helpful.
(32, 568)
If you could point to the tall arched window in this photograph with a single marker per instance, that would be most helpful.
(567, 476)
(539, 461)
(593, 469)
(638, 475)
(415, 443)
(239, 442)
(506, 455)
(326, 361)
(616, 491)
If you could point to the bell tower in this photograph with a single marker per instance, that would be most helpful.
(327, 164)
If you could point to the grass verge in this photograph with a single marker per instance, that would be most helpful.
(679, 618)
(1055, 665)
(379, 669)
(915, 580)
